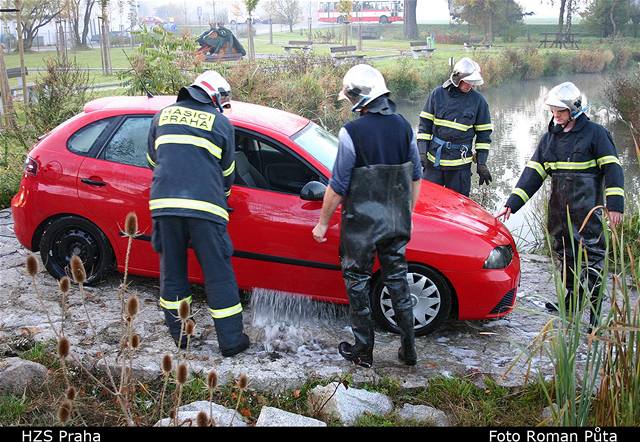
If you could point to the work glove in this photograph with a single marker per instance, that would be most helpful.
(485, 175)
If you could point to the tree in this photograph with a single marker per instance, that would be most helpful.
(634, 14)
(488, 14)
(607, 17)
(80, 12)
(410, 21)
(251, 6)
(35, 15)
(285, 11)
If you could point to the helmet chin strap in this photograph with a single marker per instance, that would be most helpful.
(356, 107)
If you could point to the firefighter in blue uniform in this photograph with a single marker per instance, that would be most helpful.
(376, 177)
(579, 155)
(455, 126)
(191, 150)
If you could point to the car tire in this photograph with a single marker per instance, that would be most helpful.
(384, 20)
(341, 19)
(425, 284)
(71, 235)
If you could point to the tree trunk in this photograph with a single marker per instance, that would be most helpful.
(570, 7)
(613, 22)
(410, 20)
(561, 16)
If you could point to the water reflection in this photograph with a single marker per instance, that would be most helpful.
(520, 118)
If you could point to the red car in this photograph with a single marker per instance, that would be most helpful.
(84, 177)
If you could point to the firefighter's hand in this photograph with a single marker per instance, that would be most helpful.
(615, 218)
(485, 175)
(504, 214)
(319, 232)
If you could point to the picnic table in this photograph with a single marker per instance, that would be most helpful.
(565, 40)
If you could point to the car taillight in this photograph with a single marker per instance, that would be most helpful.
(31, 166)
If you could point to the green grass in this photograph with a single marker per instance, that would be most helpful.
(42, 354)
(12, 409)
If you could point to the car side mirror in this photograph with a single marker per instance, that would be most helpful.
(313, 191)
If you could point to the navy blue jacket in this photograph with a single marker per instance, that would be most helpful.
(459, 118)
(191, 149)
(586, 149)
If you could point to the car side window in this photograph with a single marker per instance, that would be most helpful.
(83, 139)
(265, 165)
(128, 145)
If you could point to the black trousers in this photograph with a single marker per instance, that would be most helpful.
(172, 235)
(458, 180)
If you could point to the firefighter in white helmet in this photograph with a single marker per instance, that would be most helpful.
(455, 127)
(376, 152)
(579, 155)
(191, 150)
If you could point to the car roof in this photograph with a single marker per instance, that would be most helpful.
(251, 114)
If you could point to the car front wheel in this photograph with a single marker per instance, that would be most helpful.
(71, 235)
(430, 295)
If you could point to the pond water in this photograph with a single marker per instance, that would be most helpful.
(520, 118)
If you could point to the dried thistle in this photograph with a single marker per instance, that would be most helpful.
(32, 265)
(167, 364)
(181, 374)
(202, 419)
(135, 341)
(77, 270)
(71, 393)
(133, 304)
(64, 284)
(190, 327)
(63, 347)
(243, 381)
(212, 379)
(172, 413)
(64, 411)
(131, 224)
(183, 310)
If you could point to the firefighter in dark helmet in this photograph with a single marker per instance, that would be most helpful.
(580, 157)
(191, 149)
(455, 126)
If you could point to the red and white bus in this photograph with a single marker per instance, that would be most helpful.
(371, 12)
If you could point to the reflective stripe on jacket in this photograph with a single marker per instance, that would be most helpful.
(191, 149)
(459, 118)
(586, 149)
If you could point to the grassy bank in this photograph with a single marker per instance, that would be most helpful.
(465, 403)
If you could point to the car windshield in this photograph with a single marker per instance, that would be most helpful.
(322, 145)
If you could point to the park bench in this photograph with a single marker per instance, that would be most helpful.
(304, 45)
(370, 34)
(16, 73)
(474, 46)
(223, 57)
(424, 48)
(344, 52)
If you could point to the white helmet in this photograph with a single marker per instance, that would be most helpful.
(566, 96)
(215, 86)
(364, 82)
(466, 69)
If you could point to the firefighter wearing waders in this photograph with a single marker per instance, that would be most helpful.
(191, 151)
(579, 155)
(455, 123)
(376, 177)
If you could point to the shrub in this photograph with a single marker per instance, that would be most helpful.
(592, 62)
(404, 79)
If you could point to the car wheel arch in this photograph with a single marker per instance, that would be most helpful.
(454, 307)
(40, 230)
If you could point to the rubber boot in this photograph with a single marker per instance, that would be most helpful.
(362, 352)
(407, 351)
(359, 356)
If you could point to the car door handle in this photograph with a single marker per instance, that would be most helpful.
(91, 182)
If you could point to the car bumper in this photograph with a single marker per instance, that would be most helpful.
(486, 294)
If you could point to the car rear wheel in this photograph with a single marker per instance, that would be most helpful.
(430, 295)
(71, 235)
(384, 20)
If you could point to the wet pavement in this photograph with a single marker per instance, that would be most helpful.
(286, 351)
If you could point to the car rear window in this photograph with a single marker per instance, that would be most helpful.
(82, 141)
